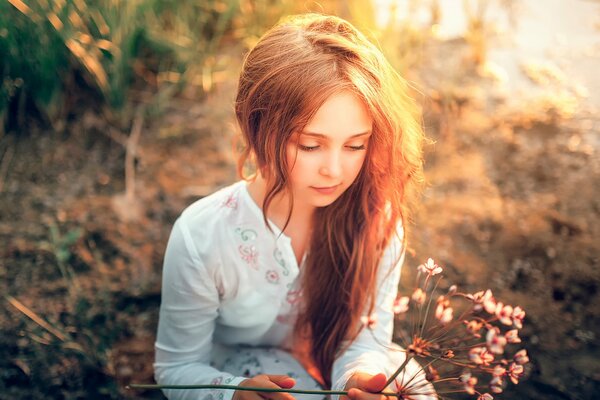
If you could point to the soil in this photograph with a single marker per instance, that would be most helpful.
(512, 204)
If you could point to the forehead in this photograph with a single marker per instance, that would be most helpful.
(342, 115)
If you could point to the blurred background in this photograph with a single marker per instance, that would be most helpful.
(116, 114)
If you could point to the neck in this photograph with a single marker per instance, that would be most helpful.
(280, 206)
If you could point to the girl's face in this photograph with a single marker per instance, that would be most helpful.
(326, 157)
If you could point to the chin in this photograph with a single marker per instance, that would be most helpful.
(320, 203)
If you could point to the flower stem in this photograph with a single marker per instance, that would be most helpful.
(251, 389)
(400, 369)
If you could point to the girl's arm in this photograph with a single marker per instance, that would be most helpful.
(188, 311)
(366, 354)
(372, 358)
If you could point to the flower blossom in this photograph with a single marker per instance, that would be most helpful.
(448, 354)
(481, 356)
(483, 300)
(473, 327)
(495, 341)
(419, 296)
(496, 384)
(521, 357)
(469, 382)
(498, 370)
(517, 317)
(443, 311)
(504, 313)
(432, 374)
(512, 336)
(400, 305)
(430, 267)
(485, 396)
(515, 371)
(370, 321)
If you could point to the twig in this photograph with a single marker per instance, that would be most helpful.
(130, 149)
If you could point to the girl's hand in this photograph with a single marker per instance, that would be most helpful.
(362, 386)
(265, 381)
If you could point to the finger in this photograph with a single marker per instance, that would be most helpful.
(357, 394)
(274, 395)
(282, 381)
(375, 383)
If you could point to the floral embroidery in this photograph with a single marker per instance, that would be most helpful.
(217, 380)
(246, 234)
(230, 202)
(293, 296)
(279, 258)
(272, 276)
(250, 255)
(283, 319)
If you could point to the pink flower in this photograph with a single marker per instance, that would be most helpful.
(448, 354)
(369, 321)
(496, 384)
(230, 202)
(272, 276)
(483, 300)
(473, 327)
(504, 313)
(293, 296)
(512, 336)
(521, 357)
(480, 356)
(250, 255)
(485, 396)
(517, 317)
(515, 371)
(419, 296)
(430, 267)
(469, 382)
(432, 374)
(452, 289)
(498, 371)
(495, 341)
(443, 311)
(400, 305)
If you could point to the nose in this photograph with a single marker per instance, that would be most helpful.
(332, 165)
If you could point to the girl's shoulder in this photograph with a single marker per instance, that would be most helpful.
(216, 208)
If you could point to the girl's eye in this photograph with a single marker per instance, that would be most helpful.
(356, 148)
(307, 148)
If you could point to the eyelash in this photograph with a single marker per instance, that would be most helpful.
(314, 148)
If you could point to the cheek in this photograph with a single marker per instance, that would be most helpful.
(355, 164)
(295, 164)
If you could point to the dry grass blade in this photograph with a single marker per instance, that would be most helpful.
(35, 318)
(19, 5)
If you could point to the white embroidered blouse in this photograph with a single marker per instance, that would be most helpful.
(228, 279)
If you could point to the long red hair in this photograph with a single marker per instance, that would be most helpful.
(285, 78)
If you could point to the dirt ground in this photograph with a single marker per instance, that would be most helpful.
(512, 204)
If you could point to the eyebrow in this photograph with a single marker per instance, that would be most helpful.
(320, 135)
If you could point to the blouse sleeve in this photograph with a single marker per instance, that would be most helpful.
(367, 354)
(188, 311)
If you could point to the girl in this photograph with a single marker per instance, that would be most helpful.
(266, 282)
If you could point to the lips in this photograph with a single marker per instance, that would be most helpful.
(326, 189)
